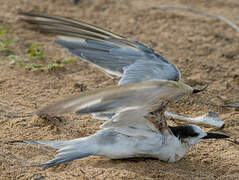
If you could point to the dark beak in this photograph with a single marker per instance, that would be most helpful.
(199, 90)
(215, 136)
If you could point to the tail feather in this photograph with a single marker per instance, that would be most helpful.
(65, 157)
(53, 144)
(67, 150)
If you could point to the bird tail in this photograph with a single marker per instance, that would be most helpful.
(67, 150)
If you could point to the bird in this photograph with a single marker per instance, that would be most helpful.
(138, 128)
(116, 55)
(134, 111)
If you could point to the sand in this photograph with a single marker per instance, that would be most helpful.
(204, 49)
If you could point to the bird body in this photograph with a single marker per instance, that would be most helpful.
(134, 110)
(115, 144)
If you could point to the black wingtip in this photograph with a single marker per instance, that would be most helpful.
(196, 91)
(199, 90)
(76, 1)
(16, 141)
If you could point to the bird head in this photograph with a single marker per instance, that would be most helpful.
(192, 134)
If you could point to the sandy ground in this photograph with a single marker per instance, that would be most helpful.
(204, 49)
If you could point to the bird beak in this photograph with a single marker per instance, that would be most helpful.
(215, 136)
(199, 90)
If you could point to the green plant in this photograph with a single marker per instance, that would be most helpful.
(53, 65)
(36, 65)
(4, 42)
(4, 45)
(36, 59)
(59, 63)
(36, 50)
(68, 61)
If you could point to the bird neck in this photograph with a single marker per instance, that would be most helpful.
(174, 149)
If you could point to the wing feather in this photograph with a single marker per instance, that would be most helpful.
(113, 53)
(131, 118)
(107, 99)
(130, 102)
(149, 70)
(141, 89)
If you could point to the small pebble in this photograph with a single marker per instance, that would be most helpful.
(81, 86)
(12, 62)
(38, 176)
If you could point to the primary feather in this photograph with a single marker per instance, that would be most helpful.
(129, 102)
(113, 53)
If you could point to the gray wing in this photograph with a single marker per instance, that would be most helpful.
(116, 99)
(130, 102)
(149, 70)
(115, 54)
(133, 122)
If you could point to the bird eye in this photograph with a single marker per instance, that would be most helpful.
(194, 134)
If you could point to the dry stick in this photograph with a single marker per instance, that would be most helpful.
(194, 11)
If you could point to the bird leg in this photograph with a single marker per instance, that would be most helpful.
(157, 117)
(209, 119)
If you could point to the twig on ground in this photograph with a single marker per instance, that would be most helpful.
(194, 11)
(12, 115)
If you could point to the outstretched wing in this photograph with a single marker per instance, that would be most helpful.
(135, 121)
(131, 103)
(149, 70)
(113, 53)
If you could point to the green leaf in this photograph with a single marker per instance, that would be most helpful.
(67, 61)
(53, 65)
(35, 65)
(36, 50)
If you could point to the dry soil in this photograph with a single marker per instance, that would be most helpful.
(204, 49)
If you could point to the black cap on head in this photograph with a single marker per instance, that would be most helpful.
(183, 131)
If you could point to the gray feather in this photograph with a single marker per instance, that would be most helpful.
(149, 70)
(65, 157)
(109, 51)
(67, 150)
(103, 115)
(54, 144)
(99, 107)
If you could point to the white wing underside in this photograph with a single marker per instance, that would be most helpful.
(130, 102)
(132, 118)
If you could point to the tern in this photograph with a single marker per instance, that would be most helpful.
(138, 128)
(115, 55)
(134, 110)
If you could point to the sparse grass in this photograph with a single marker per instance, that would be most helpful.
(4, 41)
(4, 45)
(36, 51)
(35, 58)
(68, 61)
(59, 63)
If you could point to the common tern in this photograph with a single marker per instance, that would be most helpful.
(135, 110)
(138, 128)
(115, 55)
